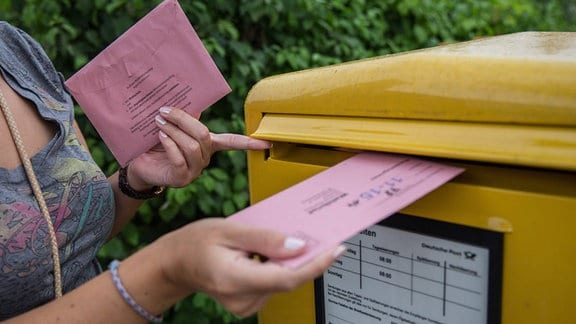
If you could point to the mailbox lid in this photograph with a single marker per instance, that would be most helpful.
(506, 99)
(526, 78)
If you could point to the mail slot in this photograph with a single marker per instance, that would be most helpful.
(494, 245)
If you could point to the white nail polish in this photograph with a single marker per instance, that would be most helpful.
(162, 134)
(165, 110)
(160, 120)
(293, 243)
(339, 251)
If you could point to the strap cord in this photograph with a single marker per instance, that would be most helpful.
(37, 192)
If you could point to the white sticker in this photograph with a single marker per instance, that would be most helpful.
(393, 276)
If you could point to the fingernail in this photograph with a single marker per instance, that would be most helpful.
(165, 110)
(162, 134)
(160, 120)
(293, 243)
(339, 251)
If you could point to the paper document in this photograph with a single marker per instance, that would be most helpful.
(160, 61)
(338, 203)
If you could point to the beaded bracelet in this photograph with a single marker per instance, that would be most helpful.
(113, 267)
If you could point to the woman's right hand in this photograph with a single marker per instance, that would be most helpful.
(213, 256)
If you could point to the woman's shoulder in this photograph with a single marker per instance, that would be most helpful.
(27, 62)
(10, 33)
(19, 49)
(18, 45)
(7, 27)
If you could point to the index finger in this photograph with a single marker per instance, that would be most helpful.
(221, 142)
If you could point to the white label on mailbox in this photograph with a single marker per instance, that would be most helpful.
(393, 276)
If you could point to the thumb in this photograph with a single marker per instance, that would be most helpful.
(265, 242)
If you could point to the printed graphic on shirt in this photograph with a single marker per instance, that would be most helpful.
(49, 101)
(77, 203)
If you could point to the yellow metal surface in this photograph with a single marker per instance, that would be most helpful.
(525, 78)
(534, 208)
(502, 107)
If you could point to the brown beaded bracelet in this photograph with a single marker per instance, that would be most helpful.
(130, 192)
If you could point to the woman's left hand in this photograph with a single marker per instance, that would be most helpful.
(186, 146)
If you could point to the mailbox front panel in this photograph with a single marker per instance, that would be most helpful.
(532, 210)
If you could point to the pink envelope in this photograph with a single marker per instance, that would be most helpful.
(160, 61)
(338, 203)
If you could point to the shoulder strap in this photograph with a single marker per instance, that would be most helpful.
(37, 192)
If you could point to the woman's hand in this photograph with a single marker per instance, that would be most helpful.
(185, 149)
(213, 256)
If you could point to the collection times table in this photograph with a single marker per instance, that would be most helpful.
(389, 275)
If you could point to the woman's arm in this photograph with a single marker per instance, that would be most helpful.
(185, 149)
(208, 256)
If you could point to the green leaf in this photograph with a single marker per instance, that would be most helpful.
(130, 234)
(228, 208)
(208, 183)
(219, 174)
(168, 211)
(114, 249)
(182, 195)
(145, 213)
(240, 182)
(114, 5)
(207, 205)
(241, 200)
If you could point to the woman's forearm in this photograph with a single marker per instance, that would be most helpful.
(98, 301)
(126, 207)
(212, 256)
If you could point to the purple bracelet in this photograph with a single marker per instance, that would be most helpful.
(113, 267)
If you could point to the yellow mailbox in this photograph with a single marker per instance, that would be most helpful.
(495, 245)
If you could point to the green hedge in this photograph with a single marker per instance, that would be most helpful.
(249, 40)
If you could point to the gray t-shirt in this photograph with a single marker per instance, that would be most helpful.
(77, 193)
